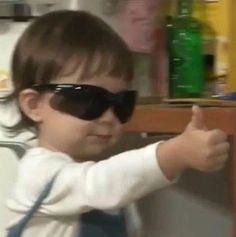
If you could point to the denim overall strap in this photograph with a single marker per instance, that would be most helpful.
(97, 223)
(17, 229)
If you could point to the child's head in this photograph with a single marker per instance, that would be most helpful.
(73, 47)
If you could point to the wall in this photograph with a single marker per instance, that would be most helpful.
(8, 171)
(10, 31)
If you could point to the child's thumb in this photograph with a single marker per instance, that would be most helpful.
(197, 120)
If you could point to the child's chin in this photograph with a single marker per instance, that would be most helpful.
(99, 153)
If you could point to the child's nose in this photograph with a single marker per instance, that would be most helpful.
(108, 116)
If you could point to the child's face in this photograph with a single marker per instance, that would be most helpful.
(80, 138)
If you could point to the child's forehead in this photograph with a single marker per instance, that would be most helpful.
(70, 73)
(113, 84)
(100, 64)
(80, 72)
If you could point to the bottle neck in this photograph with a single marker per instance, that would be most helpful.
(185, 7)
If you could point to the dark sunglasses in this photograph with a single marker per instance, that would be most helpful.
(89, 102)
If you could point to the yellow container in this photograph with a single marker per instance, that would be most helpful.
(214, 15)
(231, 82)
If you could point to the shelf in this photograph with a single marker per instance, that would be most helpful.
(185, 102)
(164, 119)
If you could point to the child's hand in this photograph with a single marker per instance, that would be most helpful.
(196, 147)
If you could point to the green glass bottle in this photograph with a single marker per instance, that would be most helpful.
(186, 68)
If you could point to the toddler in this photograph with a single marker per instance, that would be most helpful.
(71, 74)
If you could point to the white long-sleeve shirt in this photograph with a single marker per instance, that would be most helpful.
(79, 187)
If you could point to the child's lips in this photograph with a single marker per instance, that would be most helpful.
(104, 137)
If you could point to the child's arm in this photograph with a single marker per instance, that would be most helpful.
(120, 180)
(79, 187)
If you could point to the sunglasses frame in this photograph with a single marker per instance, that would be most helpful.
(113, 99)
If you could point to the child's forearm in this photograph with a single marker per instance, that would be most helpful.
(125, 178)
(167, 157)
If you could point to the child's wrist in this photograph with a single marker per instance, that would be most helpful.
(170, 159)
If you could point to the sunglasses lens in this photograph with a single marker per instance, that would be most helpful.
(124, 105)
(85, 105)
(90, 102)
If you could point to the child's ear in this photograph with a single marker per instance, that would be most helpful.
(29, 102)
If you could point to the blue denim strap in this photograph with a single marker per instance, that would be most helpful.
(97, 223)
(17, 229)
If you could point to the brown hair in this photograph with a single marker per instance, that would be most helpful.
(59, 38)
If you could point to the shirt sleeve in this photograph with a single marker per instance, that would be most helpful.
(79, 187)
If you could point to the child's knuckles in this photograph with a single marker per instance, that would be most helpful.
(208, 153)
(223, 158)
(219, 166)
(210, 137)
(227, 146)
(221, 135)
(215, 137)
(226, 150)
(214, 166)
(211, 163)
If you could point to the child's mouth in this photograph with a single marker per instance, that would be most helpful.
(103, 137)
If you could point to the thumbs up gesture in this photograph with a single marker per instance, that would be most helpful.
(197, 148)
(197, 120)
